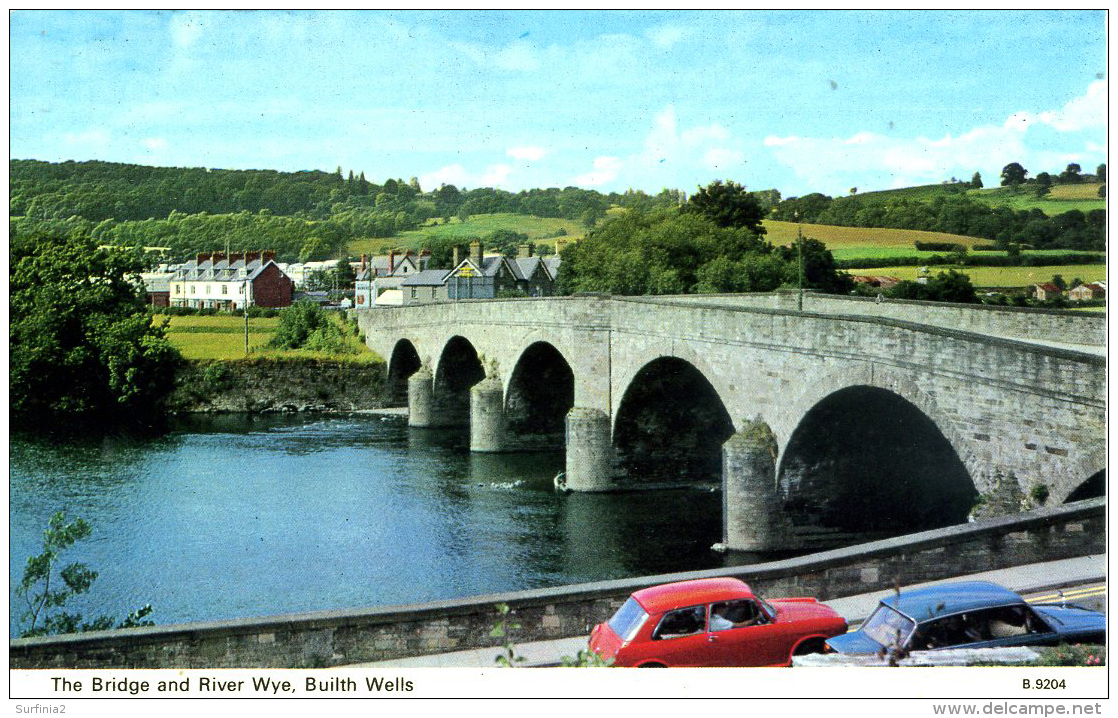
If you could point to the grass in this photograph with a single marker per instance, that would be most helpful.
(863, 238)
(1062, 198)
(876, 243)
(999, 276)
(538, 230)
(222, 337)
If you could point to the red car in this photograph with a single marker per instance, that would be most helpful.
(713, 622)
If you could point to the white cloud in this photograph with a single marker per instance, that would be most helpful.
(669, 153)
(665, 36)
(605, 170)
(1082, 112)
(459, 176)
(90, 141)
(154, 143)
(186, 28)
(823, 161)
(527, 153)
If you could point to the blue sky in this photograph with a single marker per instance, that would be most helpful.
(800, 101)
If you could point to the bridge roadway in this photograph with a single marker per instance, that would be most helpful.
(1076, 580)
(958, 401)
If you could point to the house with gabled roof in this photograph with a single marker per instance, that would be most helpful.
(216, 280)
(477, 276)
(377, 275)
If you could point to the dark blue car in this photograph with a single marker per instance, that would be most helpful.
(969, 614)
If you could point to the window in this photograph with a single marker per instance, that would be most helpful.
(433, 290)
(628, 620)
(888, 627)
(224, 288)
(735, 614)
(240, 289)
(192, 289)
(682, 622)
(413, 293)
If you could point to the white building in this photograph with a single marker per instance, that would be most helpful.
(216, 281)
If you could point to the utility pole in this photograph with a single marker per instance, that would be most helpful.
(800, 253)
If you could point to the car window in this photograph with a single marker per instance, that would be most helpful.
(887, 626)
(681, 622)
(628, 620)
(735, 614)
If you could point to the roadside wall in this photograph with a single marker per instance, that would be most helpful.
(1046, 325)
(354, 636)
(283, 385)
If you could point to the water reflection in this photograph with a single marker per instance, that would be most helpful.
(234, 516)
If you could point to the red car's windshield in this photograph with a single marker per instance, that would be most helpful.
(628, 620)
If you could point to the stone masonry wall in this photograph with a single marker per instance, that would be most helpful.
(343, 637)
(1054, 325)
(287, 385)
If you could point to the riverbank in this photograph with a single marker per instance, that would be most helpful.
(285, 385)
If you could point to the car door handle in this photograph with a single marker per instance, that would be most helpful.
(711, 638)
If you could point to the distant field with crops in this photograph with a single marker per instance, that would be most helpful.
(1000, 276)
(539, 230)
(862, 238)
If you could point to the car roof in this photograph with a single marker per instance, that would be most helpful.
(923, 604)
(689, 593)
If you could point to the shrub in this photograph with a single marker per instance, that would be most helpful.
(939, 246)
(1075, 655)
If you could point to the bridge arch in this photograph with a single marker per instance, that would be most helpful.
(869, 450)
(458, 369)
(670, 425)
(1086, 481)
(403, 362)
(539, 393)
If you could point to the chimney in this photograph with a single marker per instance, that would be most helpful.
(477, 252)
(524, 250)
(424, 258)
(202, 256)
(218, 256)
(560, 245)
(251, 256)
(268, 256)
(457, 255)
(391, 261)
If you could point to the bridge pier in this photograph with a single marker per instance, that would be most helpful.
(752, 519)
(421, 396)
(487, 416)
(589, 450)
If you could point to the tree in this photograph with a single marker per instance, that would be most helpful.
(1044, 179)
(1100, 172)
(1071, 174)
(976, 181)
(84, 350)
(820, 271)
(344, 273)
(1102, 191)
(41, 593)
(1059, 282)
(1013, 174)
(727, 205)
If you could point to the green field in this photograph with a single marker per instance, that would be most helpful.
(223, 337)
(1062, 198)
(539, 230)
(999, 276)
(862, 238)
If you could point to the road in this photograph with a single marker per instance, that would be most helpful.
(1079, 580)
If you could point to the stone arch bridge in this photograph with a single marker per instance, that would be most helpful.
(849, 415)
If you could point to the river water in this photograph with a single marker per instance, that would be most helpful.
(240, 516)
